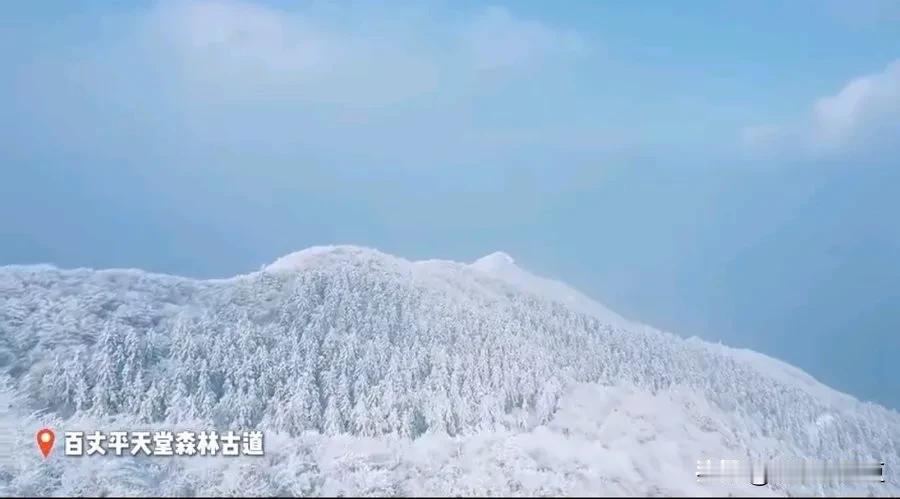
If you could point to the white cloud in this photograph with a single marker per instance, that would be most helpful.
(860, 109)
(761, 135)
(865, 113)
(247, 49)
(497, 40)
(235, 47)
(364, 84)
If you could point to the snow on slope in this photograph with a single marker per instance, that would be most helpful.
(503, 266)
(374, 375)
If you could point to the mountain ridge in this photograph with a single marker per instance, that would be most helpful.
(352, 341)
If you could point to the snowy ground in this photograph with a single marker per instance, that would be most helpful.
(603, 441)
(372, 375)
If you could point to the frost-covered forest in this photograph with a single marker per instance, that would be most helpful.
(346, 355)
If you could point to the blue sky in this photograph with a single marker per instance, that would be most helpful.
(724, 169)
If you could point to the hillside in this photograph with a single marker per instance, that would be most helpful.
(371, 374)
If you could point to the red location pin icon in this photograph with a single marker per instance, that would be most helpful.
(45, 439)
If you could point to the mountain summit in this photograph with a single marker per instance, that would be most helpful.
(367, 370)
(496, 260)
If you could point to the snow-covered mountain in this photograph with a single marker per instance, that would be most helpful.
(371, 374)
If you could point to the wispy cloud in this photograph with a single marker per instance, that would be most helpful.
(248, 49)
(244, 49)
(866, 106)
(864, 113)
(395, 84)
(498, 40)
(761, 135)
